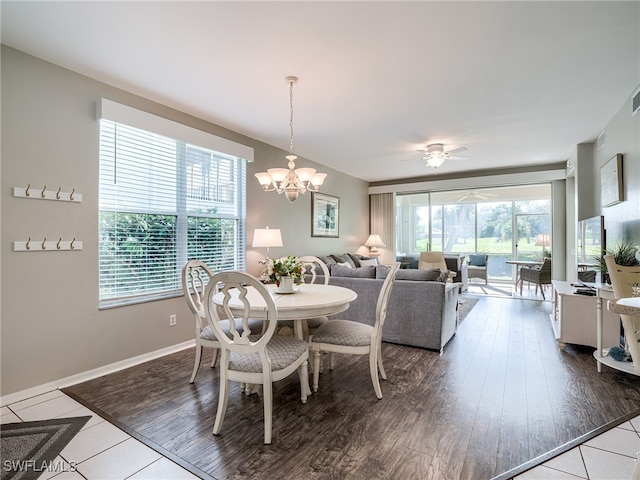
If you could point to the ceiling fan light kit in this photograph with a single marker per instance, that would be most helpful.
(292, 181)
(435, 154)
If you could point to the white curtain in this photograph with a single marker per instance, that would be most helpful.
(382, 221)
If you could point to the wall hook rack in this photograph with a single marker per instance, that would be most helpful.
(47, 245)
(45, 194)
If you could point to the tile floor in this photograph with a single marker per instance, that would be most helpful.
(102, 451)
(99, 451)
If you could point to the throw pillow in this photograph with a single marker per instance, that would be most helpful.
(362, 272)
(344, 258)
(369, 262)
(327, 259)
(477, 260)
(355, 259)
(443, 277)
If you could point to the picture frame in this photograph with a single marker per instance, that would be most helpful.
(611, 187)
(325, 215)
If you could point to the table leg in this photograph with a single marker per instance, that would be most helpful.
(299, 327)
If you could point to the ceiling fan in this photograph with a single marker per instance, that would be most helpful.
(436, 154)
(476, 196)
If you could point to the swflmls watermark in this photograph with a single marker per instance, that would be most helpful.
(54, 466)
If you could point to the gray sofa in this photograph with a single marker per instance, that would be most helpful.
(421, 313)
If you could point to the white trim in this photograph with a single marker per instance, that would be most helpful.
(95, 373)
(472, 182)
(133, 117)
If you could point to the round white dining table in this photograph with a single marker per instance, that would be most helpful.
(308, 301)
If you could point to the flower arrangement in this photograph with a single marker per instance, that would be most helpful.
(284, 267)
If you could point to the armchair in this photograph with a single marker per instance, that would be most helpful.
(539, 275)
(478, 266)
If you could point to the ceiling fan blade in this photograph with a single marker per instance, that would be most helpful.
(453, 151)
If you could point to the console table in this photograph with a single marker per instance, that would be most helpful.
(577, 318)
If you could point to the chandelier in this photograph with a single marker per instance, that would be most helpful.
(292, 181)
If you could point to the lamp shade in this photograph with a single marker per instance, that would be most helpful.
(267, 237)
(543, 240)
(374, 241)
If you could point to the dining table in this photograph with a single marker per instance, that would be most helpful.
(307, 300)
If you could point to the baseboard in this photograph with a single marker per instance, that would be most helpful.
(95, 373)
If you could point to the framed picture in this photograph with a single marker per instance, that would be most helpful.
(325, 215)
(611, 188)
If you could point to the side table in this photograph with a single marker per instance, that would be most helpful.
(628, 308)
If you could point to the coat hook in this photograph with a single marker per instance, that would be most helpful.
(58, 193)
(28, 242)
(72, 243)
(71, 194)
(43, 190)
(44, 247)
(58, 244)
(26, 192)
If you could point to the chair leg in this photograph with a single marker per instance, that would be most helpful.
(380, 366)
(373, 369)
(317, 354)
(223, 399)
(303, 373)
(542, 291)
(268, 408)
(196, 365)
(215, 357)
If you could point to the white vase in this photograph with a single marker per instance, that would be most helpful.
(286, 284)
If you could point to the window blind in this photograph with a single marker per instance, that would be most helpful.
(164, 201)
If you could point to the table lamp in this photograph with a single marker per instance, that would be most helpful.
(267, 237)
(542, 240)
(374, 242)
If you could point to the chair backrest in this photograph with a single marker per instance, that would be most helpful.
(310, 264)
(195, 277)
(545, 271)
(383, 299)
(238, 291)
(621, 277)
(432, 260)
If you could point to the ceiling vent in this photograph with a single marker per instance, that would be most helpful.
(600, 140)
(635, 102)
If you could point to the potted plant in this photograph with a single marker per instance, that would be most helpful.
(280, 270)
(624, 253)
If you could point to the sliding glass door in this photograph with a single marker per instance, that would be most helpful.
(507, 223)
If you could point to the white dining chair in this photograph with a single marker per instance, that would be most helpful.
(260, 359)
(195, 276)
(356, 338)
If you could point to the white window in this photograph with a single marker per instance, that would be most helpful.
(164, 201)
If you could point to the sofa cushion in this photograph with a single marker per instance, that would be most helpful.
(425, 275)
(344, 258)
(477, 260)
(362, 272)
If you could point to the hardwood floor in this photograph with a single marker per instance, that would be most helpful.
(501, 394)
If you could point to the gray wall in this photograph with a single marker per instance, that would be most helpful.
(622, 135)
(51, 326)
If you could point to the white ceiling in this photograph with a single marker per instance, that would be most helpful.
(518, 83)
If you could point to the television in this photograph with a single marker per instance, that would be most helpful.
(591, 244)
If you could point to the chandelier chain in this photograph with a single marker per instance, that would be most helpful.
(291, 82)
